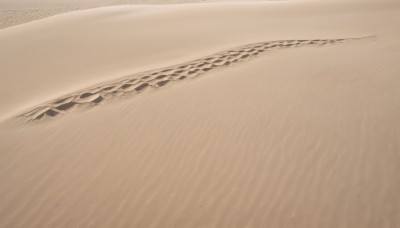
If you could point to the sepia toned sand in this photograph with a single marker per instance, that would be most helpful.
(15, 12)
(224, 114)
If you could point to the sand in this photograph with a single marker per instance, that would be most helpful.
(234, 114)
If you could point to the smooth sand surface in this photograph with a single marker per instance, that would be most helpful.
(300, 129)
(15, 12)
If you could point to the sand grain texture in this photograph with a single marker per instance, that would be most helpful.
(305, 134)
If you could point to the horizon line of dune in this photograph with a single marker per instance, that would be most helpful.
(16, 16)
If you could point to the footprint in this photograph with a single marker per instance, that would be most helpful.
(66, 106)
(141, 87)
(87, 97)
(98, 100)
(162, 83)
(51, 113)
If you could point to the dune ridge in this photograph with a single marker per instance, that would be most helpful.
(137, 83)
(16, 16)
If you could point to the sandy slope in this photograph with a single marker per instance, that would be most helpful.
(296, 137)
(15, 12)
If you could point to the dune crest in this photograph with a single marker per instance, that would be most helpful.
(13, 14)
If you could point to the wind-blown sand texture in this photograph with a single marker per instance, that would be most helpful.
(281, 114)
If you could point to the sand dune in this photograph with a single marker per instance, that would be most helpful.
(15, 12)
(294, 122)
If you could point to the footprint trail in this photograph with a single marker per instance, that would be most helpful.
(140, 82)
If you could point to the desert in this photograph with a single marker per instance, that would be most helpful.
(277, 114)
